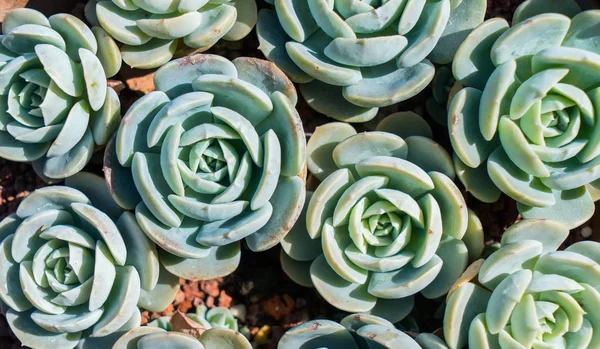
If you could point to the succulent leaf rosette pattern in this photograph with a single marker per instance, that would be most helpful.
(529, 295)
(55, 105)
(352, 57)
(385, 223)
(73, 274)
(215, 156)
(153, 31)
(355, 331)
(184, 331)
(527, 122)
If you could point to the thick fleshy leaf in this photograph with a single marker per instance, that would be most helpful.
(320, 333)
(180, 241)
(272, 39)
(61, 69)
(463, 306)
(287, 202)
(21, 16)
(175, 78)
(108, 52)
(30, 334)
(405, 124)
(321, 145)
(151, 54)
(215, 23)
(464, 17)
(224, 337)
(572, 208)
(223, 261)
(121, 24)
(472, 65)
(298, 271)
(405, 282)
(385, 84)
(340, 293)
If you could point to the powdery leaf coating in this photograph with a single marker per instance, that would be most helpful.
(55, 105)
(216, 155)
(526, 121)
(352, 57)
(71, 274)
(151, 31)
(385, 223)
(529, 295)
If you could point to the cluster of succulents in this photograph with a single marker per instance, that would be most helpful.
(153, 31)
(215, 159)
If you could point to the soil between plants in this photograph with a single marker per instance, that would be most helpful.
(272, 303)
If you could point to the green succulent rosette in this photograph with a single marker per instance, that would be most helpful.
(153, 31)
(217, 317)
(530, 295)
(55, 105)
(527, 122)
(185, 331)
(356, 331)
(386, 221)
(74, 268)
(352, 57)
(215, 156)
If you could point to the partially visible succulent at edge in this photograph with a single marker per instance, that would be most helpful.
(55, 105)
(385, 223)
(73, 267)
(352, 57)
(529, 295)
(217, 317)
(215, 156)
(356, 331)
(527, 122)
(153, 31)
(184, 331)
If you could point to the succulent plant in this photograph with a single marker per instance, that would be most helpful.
(217, 317)
(216, 155)
(529, 295)
(356, 331)
(527, 122)
(73, 267)
(385, 223)
(153, 31)
(352, 57)
(55, 105)
(183, 331)
(430, 341)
